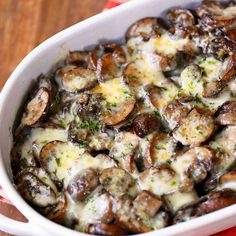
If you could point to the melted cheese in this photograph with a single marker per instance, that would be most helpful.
(38, 138)
(113, 90)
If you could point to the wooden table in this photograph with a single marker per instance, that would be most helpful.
(26, 23)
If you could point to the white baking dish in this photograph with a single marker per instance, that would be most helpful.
(109, 25)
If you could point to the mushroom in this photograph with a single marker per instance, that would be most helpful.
(217, 200)
(212, 88)
(180, 17)
(107, 68)
(195, 129)
(159, 181)
(228, 69)
(193, 166)
(215, 14)
(219, 47)
(161, 149)
(146, 28)
(145, 124)
(117, 52)
(57, 212)
(209, 203)
(118, 113)
(36, 188)
(37, 108)
(177, 109)
(105, 229)
(77, 79)
(226, 114)
(78, 58)
(156, 95)
(117, 181)
(131, 217)
(146, 204)
(83, 184)
(228, 180)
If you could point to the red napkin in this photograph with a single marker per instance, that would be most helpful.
(110, 4)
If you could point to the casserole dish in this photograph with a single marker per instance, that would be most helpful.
(40, 60)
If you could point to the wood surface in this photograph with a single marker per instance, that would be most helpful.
(26, 23)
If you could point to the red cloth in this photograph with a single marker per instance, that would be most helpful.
(110, 4)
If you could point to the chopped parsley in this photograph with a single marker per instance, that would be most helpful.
(109, 105)
(169, 161)
(90, 124)
(58, 161)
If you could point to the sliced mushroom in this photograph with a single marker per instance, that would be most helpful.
(119, 113)
(155, 95)
(193, 166)
(88, 104)
(212, 88)
(78, 79)
(178, 200)
(116, 181)
(226, 114)
(181, 17)
(217, 14)
(161, 180)
(220, 47)
(177, 109)
(107, 68)
(35, 190)
(217, 200)
(195, 129)
(127, 217)
(145, 124)
(83, 184)
(228, 180)
(37, 108)
(100, 142)
(160, 150)
(78, 58)
(105, 229)
(118, 102)
(228, 70)
(146, 28)
(57, 213)
(117, 52)
(147, 204)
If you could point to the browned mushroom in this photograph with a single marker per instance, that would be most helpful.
(195, 129)
(146, 28)
(226, 114)
(118, 113)
(161, 180)
(107, 68)
(177, 109)
(35, 188)
(217, 200)
(193, 166)
(117, 52)
(160, 150)
(105, 229)
(116, 181)
(212, 88)
(36, 108)
(146, 203)
(145, 124)
(219, 47)
(83, 184)
(78, 58)
(78, 79)
(215, 14)
(228, 69)
(227, 178)
(181, 17)
(57, 213)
